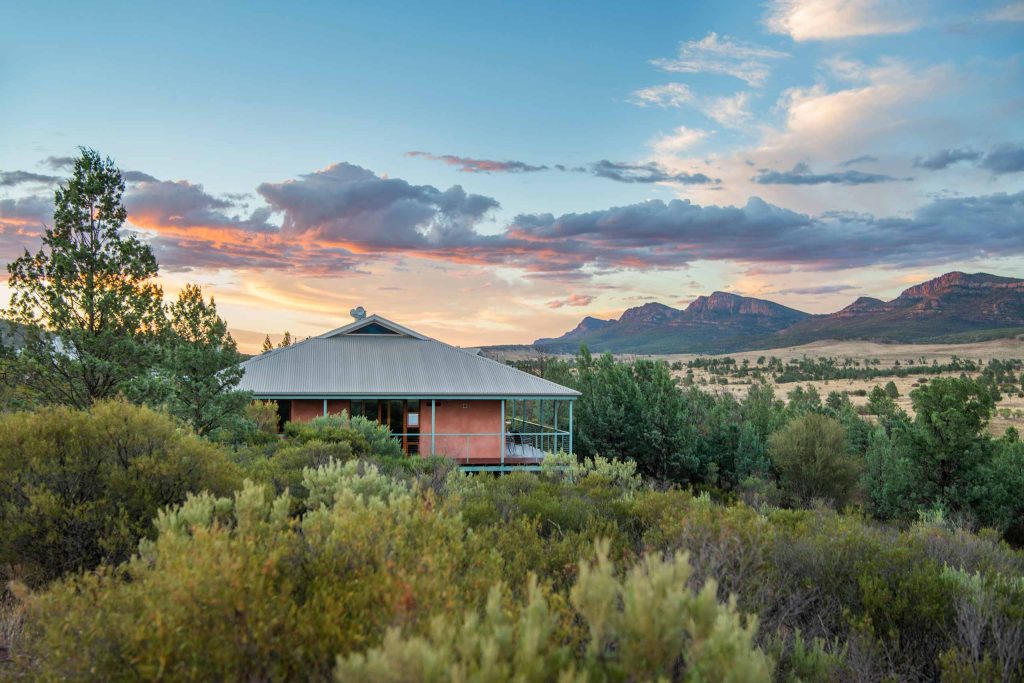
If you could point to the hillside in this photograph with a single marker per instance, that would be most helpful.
(954, 307)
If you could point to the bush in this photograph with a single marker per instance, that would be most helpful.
(366, 437)
(264, 419)
(645, 626)
(252, 594)
(81, 487)
(811, 456)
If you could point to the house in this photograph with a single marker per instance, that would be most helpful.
(436, 398)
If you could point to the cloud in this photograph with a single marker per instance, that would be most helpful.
(832, 19)
(1001, 159)
(1013, 12)
(679, 140)
(821, 289)
(1006, 158)
(715, 55)
(12, 178)
(571, 300)
(67, 163)
(669, 95)
(470, 165)
(656, 234)
(801, 175)
(58, 163)
(732, 110)
(187, 206)
(339, 219)
(946, 157)
(22, 222)
(347, 204)
(862, 159)
(138, 177)
(645, 173)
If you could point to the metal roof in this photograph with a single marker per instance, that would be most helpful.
(346, 364)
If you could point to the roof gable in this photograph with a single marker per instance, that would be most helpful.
(373, 324)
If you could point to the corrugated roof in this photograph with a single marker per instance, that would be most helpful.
(344, 363)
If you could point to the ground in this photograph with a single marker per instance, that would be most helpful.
(1010, 410)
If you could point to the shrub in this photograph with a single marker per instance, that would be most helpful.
(81, 487)
(645, 626)
(811, 456)
(236, 589)
(366, 437)
(264, 419)
(283, 469)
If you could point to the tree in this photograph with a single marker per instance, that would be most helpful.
(891, 391)
(811, 457)
(286, 340)
(87, 297)
(880, 403)
(199, 365)
(948, 444)
(267, 345)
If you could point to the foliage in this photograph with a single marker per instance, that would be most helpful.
(79, 488)
(645, 626)
(87, 299)
(198, 368)
(263, 417)
(382, 576)
(366, 437)
(811, 456)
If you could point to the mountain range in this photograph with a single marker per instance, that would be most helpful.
(953, 307)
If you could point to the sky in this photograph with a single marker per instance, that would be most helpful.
(492, 172)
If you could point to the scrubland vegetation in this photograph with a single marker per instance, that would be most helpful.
(154, 525)
(334, 559)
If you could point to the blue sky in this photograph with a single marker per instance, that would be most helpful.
(882, 143)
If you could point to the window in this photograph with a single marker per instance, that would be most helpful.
(373, 328)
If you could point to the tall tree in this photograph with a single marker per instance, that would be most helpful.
(87, 297)
(267, 345)
(199, 365)
(286, 340)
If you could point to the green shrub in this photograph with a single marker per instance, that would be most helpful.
(366, 437)
(81, 487)
(645, 626)
(237, 589)
(283, 469)
(813, 461)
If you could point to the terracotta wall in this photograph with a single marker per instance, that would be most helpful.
(336, 406)
(462, 417)
(306, 409)
(453, 417)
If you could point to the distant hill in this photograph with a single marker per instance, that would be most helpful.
(947, 308)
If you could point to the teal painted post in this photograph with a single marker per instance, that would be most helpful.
(432, 430)
(502, 431)
(554, 436)
(540, 422)
(570, 425)
(325, 407)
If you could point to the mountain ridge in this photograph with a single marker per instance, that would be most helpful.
(953, 303)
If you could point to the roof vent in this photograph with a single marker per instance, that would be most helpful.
(358, 313)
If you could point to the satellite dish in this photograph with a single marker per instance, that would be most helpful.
(358, 313)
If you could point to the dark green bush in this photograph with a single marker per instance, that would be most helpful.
(81, 487)
(813, 461)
